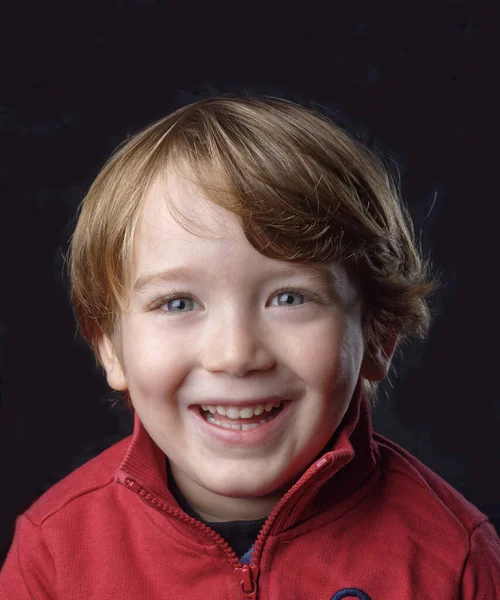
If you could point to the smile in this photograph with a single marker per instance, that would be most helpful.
(243, 417)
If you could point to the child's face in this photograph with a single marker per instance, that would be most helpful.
(231, 339)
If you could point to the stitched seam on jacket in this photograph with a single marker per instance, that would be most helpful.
(76, 496)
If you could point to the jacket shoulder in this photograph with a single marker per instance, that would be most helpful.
(96, 473)
(417, 481)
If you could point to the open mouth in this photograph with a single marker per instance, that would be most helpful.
(241, 417)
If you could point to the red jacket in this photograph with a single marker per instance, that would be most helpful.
(366, 521)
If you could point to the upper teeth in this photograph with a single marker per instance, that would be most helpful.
(242, 412)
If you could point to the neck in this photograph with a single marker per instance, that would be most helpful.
(215, 508)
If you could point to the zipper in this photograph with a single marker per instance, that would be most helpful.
(261, 538)
(247, 574)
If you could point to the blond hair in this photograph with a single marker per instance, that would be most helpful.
(303, 189)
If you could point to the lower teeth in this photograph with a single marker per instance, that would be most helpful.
(242, 426)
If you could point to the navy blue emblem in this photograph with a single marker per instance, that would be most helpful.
(350, 593)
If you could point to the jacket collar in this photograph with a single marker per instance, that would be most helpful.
(347, 462)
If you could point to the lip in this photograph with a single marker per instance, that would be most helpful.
(267, 433)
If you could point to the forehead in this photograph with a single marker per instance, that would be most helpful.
(182, 209)
(181, 231)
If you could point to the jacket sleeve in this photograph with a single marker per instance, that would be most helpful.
(481, 576)
(28, 572)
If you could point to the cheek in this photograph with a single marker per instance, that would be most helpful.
(332, 351)
(351, 350)
(153, 364)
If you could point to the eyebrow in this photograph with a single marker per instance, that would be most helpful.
(316, 272)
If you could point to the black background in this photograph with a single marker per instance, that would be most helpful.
(415, 80)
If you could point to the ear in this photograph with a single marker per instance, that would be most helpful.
(109, 358)
(375, 365)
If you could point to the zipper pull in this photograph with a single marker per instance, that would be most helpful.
(247, 576)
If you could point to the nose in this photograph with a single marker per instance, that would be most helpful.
(236, 346)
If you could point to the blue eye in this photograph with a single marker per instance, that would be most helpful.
(288, 294)
(177, 304)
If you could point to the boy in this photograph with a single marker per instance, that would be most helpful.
(244, 272)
